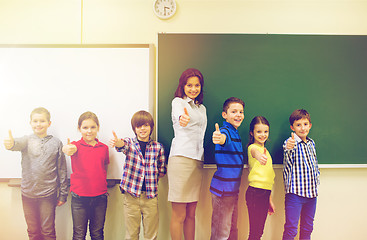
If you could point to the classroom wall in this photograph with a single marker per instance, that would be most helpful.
(340, 211)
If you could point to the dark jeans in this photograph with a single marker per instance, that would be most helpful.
(257, 201)
(92, 209)
(297, 207)
(224, 218)
(39, 214)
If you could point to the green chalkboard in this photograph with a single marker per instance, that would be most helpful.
(274, 75)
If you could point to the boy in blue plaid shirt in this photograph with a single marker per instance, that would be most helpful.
(301, 177)
(144, 165)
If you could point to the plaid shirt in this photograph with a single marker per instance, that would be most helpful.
(301, 172)
(137, 167)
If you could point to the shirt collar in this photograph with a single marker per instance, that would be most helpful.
(135, 139)
(47, 137)
(188, 100)
(86, 144)
(299, 140)
(225, 123)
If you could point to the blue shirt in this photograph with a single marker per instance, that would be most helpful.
(300, 168)
(229, 158)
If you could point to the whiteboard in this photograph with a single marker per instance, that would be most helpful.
(113, 81)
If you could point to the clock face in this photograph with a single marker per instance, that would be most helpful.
(164, 8)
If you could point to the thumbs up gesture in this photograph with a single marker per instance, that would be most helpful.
(9, 141)
(184, 118)
(69, 149)
(116, 142)
(218, 138)
(263, 158)
(291, 142)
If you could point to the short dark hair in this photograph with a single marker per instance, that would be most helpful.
(41, 110)
(299, 114)
(231, 100)
(87, 115)
(141, 118)
(188, 73)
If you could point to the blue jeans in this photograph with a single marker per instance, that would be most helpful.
(224, 218)
(257, 201)
(39, 214)
(92, 209)
(297, 207)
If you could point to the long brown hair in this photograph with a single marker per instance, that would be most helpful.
(188, 73)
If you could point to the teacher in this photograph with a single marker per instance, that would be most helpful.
(185, 161)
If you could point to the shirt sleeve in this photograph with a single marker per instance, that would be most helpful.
(124, 148)
(107, 161)
(177, 109)
(162, 161)
(62, 175)
(288, 153)
(20, 143)
(224, 131)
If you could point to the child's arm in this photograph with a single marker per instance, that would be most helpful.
(62, 173)
(162, 163)
(291, 142)
(9, 142)
(261, 157)
(218, 138)
(69, 149)
(271, 209)
(116, 142)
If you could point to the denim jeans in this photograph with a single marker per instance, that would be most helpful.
(297, 207)
(257, 201)
(39, 214)
(92, 209)
(224, 218)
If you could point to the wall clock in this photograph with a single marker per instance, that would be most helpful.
(164, 9)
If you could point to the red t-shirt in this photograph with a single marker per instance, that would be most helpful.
(89, 166)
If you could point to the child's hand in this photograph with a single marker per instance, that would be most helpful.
(69, 149)
(116, 142)
(291, 142)
(218, 138)
(184, 118)
(59, 203)
(263, 158)
(271, 209)
(9, 142)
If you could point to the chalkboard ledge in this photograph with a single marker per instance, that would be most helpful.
(211, 166)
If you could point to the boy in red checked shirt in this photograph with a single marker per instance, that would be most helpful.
(144, 165)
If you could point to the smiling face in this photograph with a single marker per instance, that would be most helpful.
(261, 133)
(192, 88)
(143, 132)
(40, 124)
(89, 130)
(301, 127)
(234, 114)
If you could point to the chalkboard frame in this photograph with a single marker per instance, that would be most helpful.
(300, 56)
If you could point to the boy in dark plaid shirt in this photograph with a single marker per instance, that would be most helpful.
(144, 165)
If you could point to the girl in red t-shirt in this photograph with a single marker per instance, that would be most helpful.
(88, 184)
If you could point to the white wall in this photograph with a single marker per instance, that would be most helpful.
(340, 211)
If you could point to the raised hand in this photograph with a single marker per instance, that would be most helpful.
(291, 142)
(184, 118)
(69, 149)
(115, 141)
(263, 158)
(218, 138)
(9, 141)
